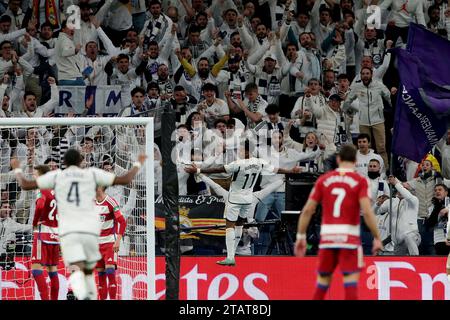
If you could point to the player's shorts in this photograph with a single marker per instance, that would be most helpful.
(45, 254)
(108, 255)
(349, 260)
(78, 247)
(233, 211)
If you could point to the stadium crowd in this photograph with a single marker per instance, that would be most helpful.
(299, 78)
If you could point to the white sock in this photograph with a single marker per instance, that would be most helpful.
(238, 236)
(230, 236)
(78, 283)
(91, 287)
(448, 277)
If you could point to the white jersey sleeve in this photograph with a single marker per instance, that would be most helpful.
(267, 167)
(102, 177)
(231, 167)
(48, 180)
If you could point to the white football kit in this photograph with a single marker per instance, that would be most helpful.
(79, 220)
(245, 174)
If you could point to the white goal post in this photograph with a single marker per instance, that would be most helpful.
(149, 198)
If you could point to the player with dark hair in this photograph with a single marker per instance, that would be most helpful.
(343, 193)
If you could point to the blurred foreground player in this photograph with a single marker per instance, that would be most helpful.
(79, 222)
(113, 229)
(342, 193)
(46, 250)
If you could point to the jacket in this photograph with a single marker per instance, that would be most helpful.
(404, 214)
(370, 101)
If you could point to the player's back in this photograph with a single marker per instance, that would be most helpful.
(339, 192)
(47, 225)
(75, 190)
(107, 209)
(245, 174)
(49, 214)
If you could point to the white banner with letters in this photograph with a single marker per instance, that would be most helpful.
(107, 100)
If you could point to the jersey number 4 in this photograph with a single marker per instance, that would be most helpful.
(340, 193)
(73, 195)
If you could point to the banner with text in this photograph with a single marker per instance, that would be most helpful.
(196, 212)
(258, 278)
(107, 100)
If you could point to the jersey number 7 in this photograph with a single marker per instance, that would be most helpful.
(340, 193)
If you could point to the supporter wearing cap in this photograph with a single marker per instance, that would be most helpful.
(335, 97)
(268, 78)
(332, 128)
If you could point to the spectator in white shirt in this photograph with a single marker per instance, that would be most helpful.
(15, 12)
(118, 21)
(30, 108)
(212, 107)
(9, 60)
(88, 29)
(68, 60)
(365, 155)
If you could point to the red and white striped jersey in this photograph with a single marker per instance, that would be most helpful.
(46, 217)
(339, 192)
(112, 220)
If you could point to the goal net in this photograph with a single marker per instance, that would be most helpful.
(112, 144)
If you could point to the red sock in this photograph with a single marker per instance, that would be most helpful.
(320, 292)
(54, 285)
(351, 291)
(102, 288)
(112, 284)
(41, 283)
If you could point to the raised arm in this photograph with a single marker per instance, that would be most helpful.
(24, 183)
(101, 13)
(128, 177)
(50, 105)
(217, 188)
(194, 169)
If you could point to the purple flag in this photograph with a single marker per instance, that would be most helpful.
(432, 50)
(422, 107)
